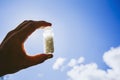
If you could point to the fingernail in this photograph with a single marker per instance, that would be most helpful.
(49, 56)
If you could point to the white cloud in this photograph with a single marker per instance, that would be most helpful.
(112, 58)
(81, 60)
(86, 72)
(92, 72)
(58, 63)
(73, 62)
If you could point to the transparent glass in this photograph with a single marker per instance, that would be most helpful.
(48, 40)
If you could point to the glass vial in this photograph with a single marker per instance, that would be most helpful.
(48, 40)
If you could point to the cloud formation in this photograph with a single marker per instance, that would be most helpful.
(92, 72)
(58, 63)
(73, 62)
(86, 72)
(80, 71)
(112, 58)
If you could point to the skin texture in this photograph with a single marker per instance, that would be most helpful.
(12, 53)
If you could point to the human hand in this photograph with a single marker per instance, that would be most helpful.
(13, 56)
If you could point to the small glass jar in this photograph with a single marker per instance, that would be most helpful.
(48, 40)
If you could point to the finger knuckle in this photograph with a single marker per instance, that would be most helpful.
(11, 32)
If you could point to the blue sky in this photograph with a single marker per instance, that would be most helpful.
(82, 28)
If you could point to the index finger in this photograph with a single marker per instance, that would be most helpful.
(30, 28)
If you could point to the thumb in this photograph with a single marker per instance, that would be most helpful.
(39, 58)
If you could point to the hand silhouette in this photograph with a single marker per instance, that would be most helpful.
(12, 53)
